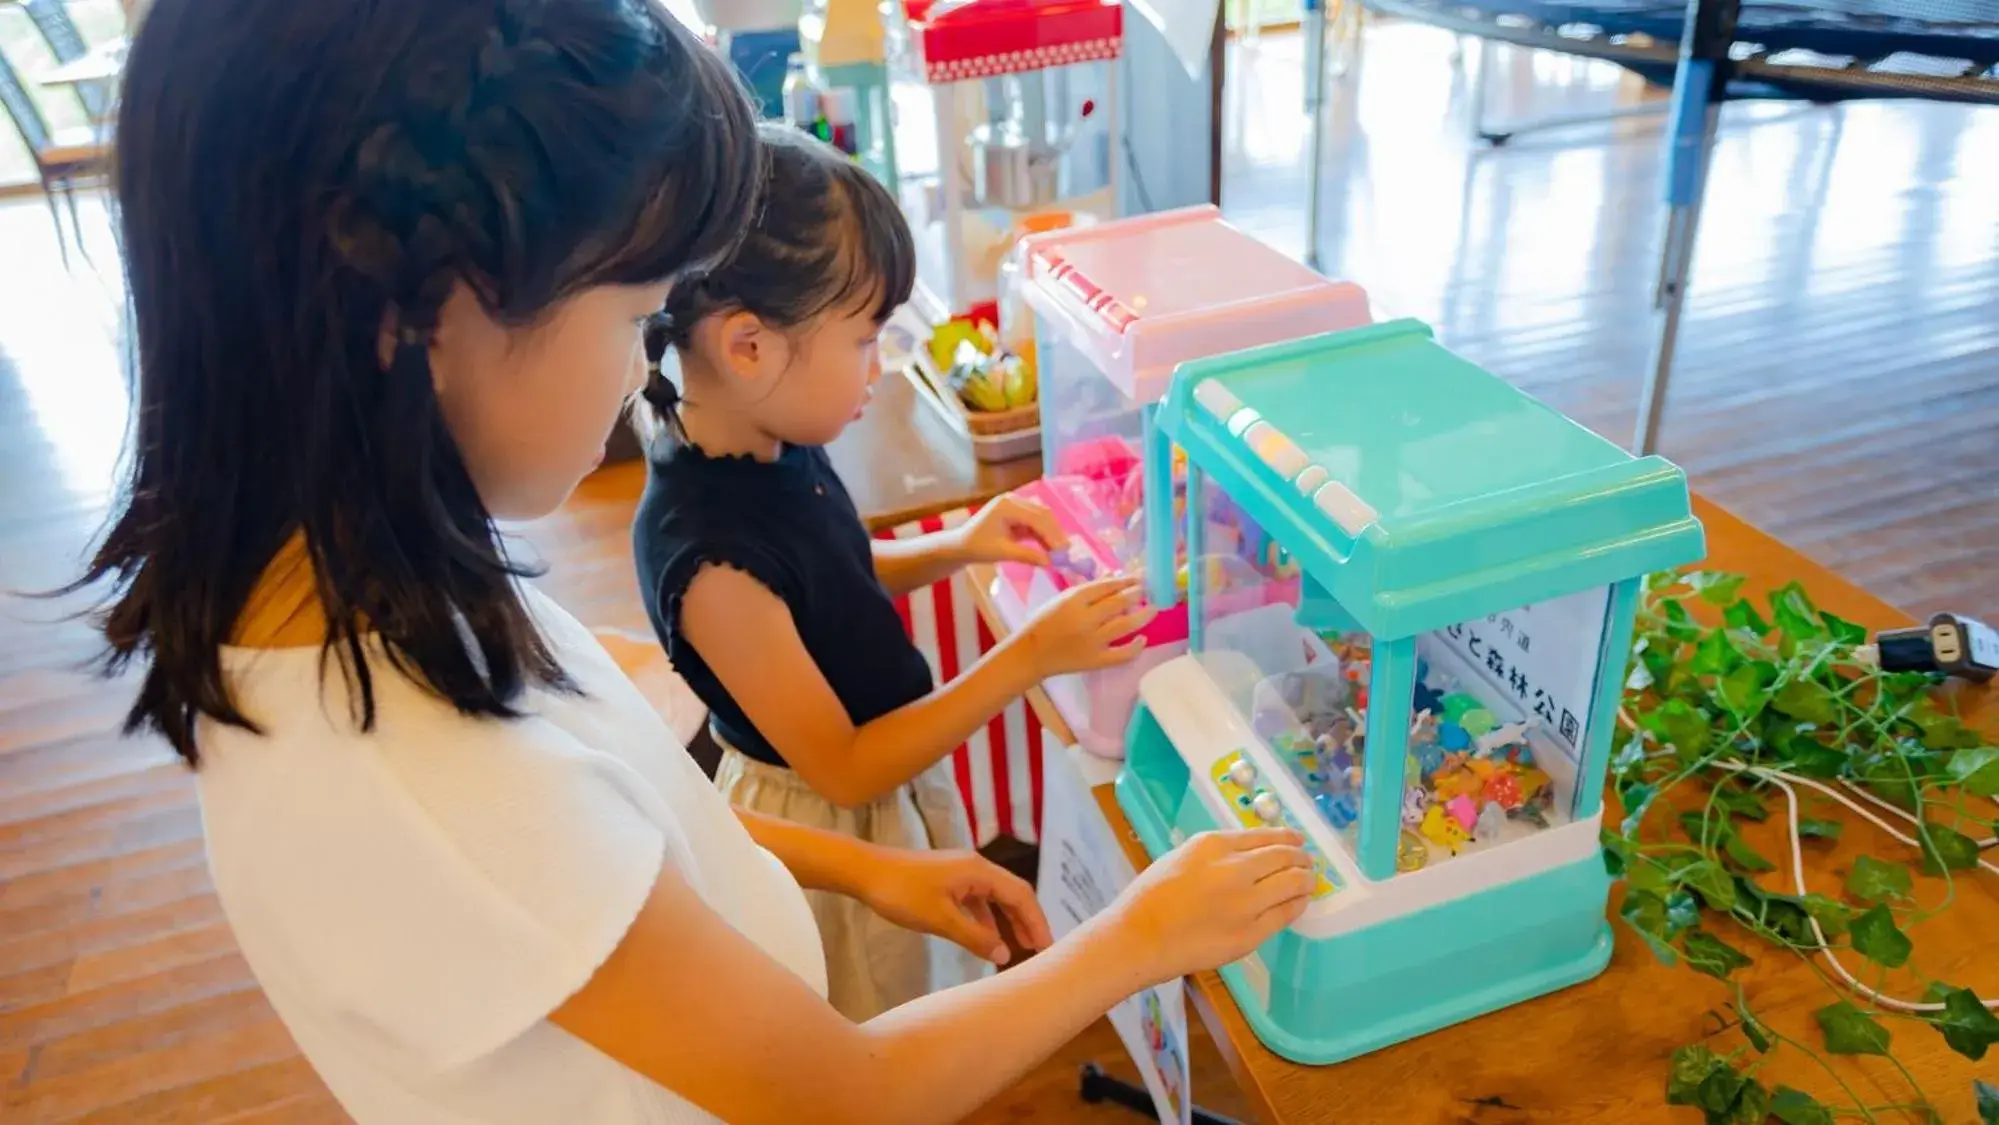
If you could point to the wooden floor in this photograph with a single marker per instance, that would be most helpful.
(1839, 384)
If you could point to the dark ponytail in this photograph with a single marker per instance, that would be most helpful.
(659, 393)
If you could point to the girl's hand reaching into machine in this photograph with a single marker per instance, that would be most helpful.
(1010, 529)
(1213, 900)
(1085, 628)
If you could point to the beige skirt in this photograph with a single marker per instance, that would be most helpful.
(872, 964)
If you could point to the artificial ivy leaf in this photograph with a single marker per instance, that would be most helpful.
(1779, 914)
(1691, 1066)
(1794, 613)
(1648, 875)
(1707, 829)
(1713, 884)
(1659, 656)
(1752, 1028)
(1941, 731)
(1719, 1092)
(1680, 624)
(1616, 852)
(1947, 849)
(1977, 770)
(1714, 656)
(1746, 690)
(1636, 797)
(1968, 1026)
(1709, 954)
(1795, 1107)
(1807, 756)
(1714, 587)
(1820, 829)
(1742, 615)
(1850, 1031)
(1679, 723)
(1629, 756)
(1741, 802)
(1752, 1105)
(1877, 938)
(1742, 855)
(1893, 776)
(1987, 1096)
(1682, 913)
(1834, 917)
(1843, 631)
(1645, 912)
(1875, 880)
(1808, 700)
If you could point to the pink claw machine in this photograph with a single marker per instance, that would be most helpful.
(1116, 307)
(1004, 110)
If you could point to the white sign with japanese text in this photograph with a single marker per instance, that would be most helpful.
(1543, 658)
(1082, 870)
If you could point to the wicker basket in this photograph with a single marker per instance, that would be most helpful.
(1002, 435)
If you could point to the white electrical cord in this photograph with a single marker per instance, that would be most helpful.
(1785, 781)
(1871, 799)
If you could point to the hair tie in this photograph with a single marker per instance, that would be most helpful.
(658, 340)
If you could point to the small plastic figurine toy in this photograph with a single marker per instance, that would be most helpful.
(1443, 829)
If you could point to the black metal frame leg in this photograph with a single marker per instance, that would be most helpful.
(1097, 1087)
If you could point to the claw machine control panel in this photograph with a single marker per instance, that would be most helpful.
(1430, 698)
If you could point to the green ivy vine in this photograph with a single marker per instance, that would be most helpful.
(1719, 702)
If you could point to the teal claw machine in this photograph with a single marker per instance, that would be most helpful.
(1427, 689)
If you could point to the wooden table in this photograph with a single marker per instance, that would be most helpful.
(1598, 1052)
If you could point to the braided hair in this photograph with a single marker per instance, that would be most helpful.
(295, 181)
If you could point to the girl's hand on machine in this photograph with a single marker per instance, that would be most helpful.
(957, 896)
(1214, 899)
(1010, 529)
(1086, 628)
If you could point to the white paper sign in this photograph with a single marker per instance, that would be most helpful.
(1542, 658)
(1082, 870)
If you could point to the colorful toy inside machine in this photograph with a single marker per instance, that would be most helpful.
(1468, 774)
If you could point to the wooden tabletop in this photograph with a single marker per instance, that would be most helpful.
(1598, 1052)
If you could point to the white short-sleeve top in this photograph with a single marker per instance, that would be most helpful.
(416, 899)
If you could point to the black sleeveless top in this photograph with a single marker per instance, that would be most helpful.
(791, 525)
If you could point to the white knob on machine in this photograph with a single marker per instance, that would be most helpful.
(1267, 807)
(1243, 773)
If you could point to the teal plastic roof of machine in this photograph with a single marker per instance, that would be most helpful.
(1414, 487)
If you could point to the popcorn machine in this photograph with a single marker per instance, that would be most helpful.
(1004, 110)
(1430, 699)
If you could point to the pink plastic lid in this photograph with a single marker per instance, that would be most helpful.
(1143, 295)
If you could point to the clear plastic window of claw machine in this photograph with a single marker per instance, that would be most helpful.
(1499, 724)
(1498, 708)
(1294, 683)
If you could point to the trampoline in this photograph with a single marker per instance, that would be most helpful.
(1714, 51)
